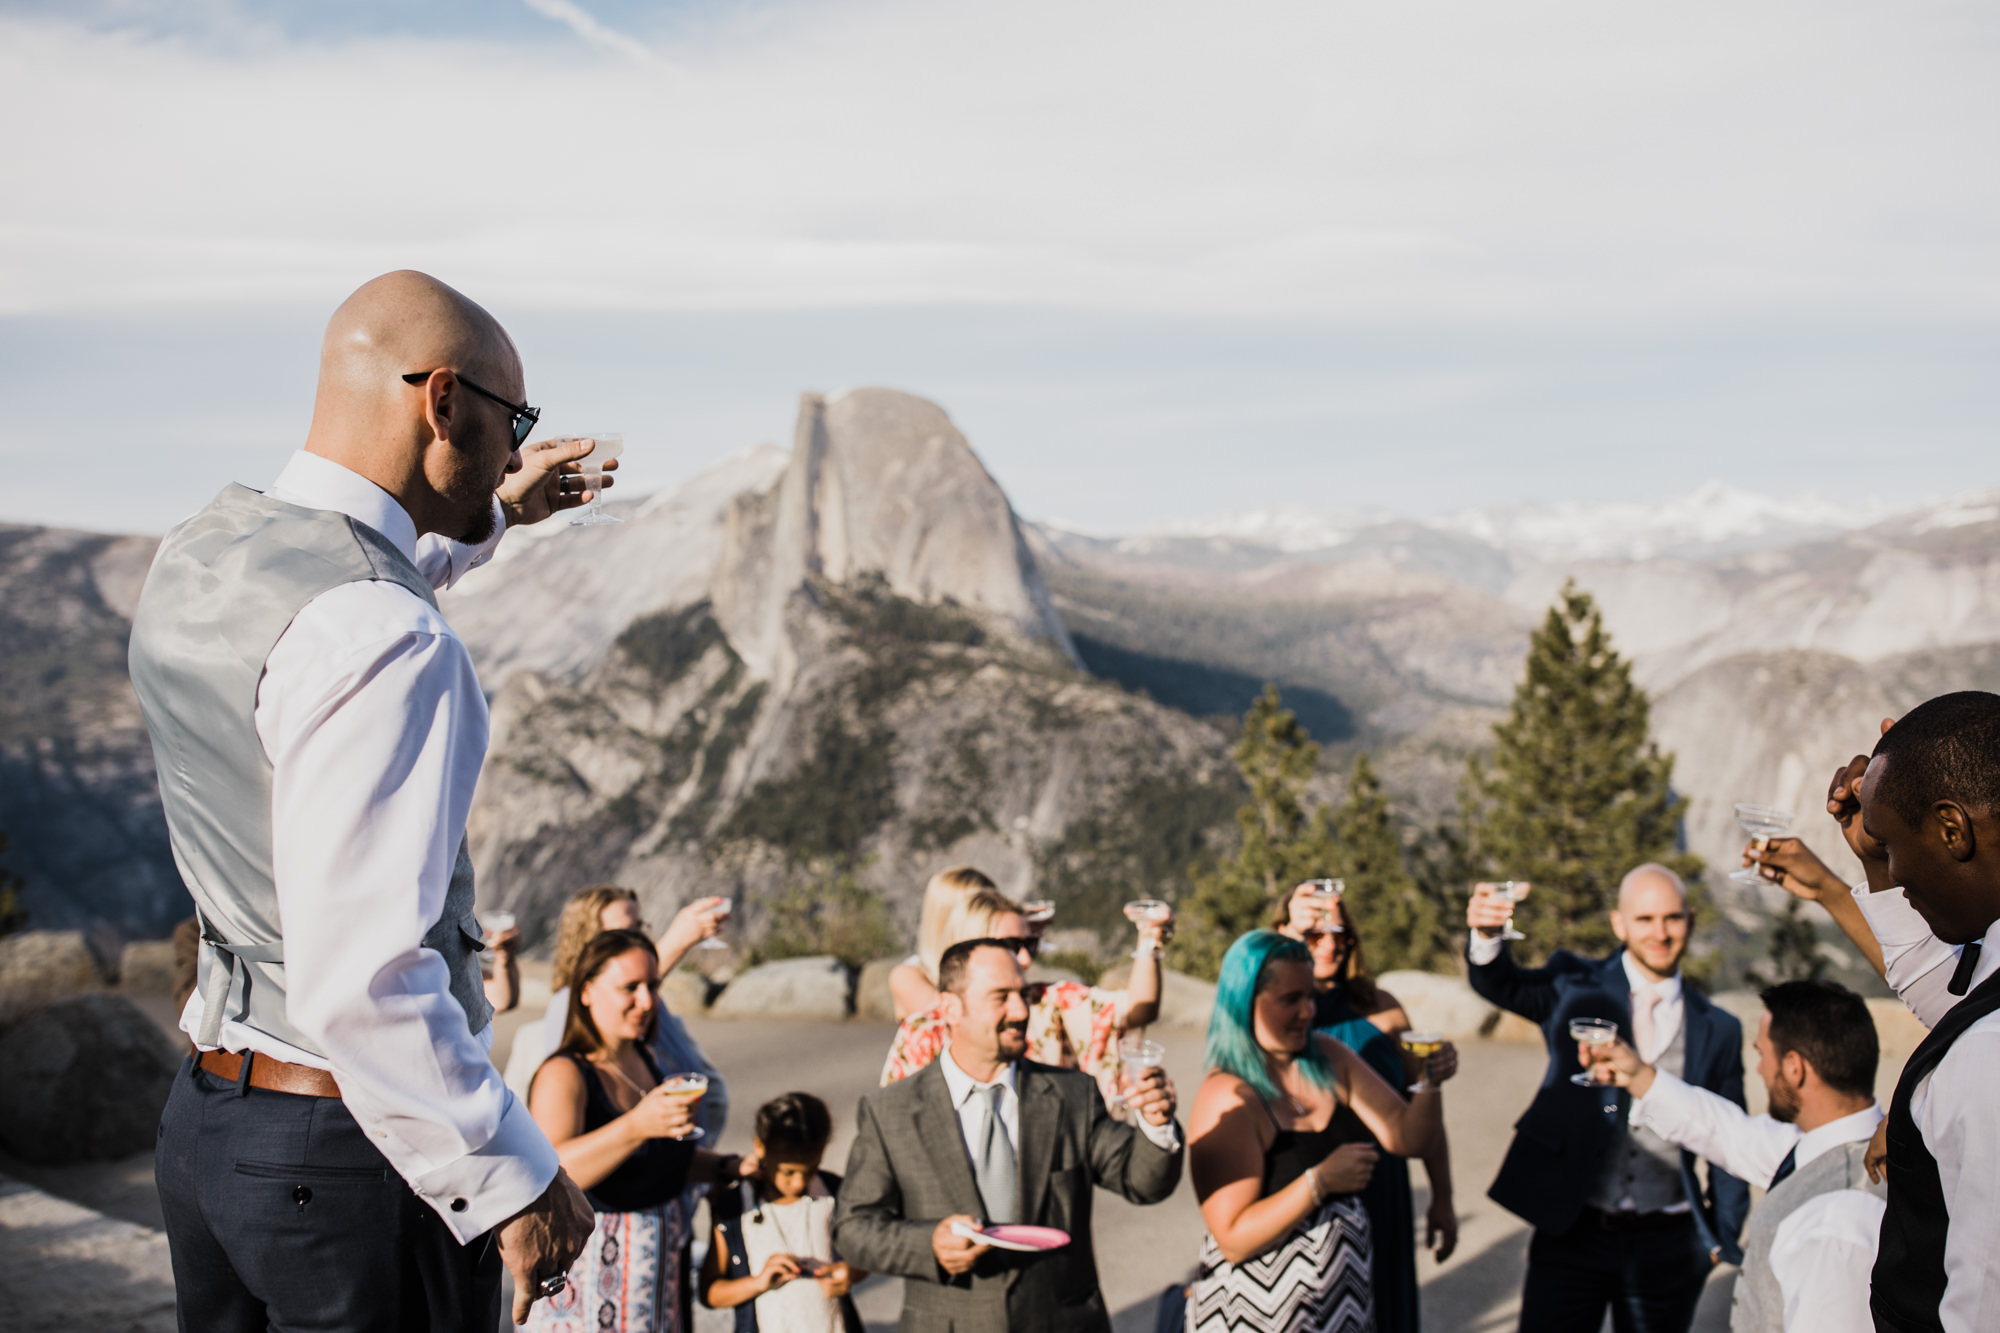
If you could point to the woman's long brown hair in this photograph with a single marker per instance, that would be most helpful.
(580, 1035)
(1353, 980)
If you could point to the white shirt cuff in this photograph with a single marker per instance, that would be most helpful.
(1483, 949)
(1167, 1137)
(484, 1188)
(1656, 1109)
(1895, 922)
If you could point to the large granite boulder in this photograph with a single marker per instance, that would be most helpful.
(872, 1000)
(39, 967)
(1445, 1005)
(1185, 1001)
(148, 967)
(790, 988)
(86, 1078)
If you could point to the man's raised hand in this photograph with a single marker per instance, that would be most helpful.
(1152, 1096)
(536, 491)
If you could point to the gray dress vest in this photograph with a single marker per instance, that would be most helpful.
(1759, 1306)
(1642, 1166)
(222, 591)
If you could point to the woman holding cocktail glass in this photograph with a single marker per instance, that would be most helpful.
(1353, 1010)
(1282, 1138)
(627, 1135)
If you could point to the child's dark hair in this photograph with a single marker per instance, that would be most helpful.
(798, 1121)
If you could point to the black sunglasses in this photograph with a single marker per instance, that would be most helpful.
(524, 417)
(1029, 944)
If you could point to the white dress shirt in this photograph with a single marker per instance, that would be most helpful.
(972, 1111)
(1919, 964)
(1824, 1251)
(374, 722)
(1956, 1106)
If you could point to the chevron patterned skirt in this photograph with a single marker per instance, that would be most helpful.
(1317, 1281)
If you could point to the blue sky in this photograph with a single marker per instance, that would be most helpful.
(1156, 259)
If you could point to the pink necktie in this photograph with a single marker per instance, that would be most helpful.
(1642, 1021)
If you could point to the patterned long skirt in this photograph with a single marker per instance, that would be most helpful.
(1316, 1281)
(628, 1279)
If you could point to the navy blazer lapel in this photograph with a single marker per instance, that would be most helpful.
(1040, 1121)
(935, 1125)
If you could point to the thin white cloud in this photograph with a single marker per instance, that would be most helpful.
(1545, 160)
(585, 25)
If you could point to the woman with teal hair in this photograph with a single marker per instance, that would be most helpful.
(1279, 1147)
(1354, 1011)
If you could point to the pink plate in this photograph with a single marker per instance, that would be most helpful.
(1027, 1238)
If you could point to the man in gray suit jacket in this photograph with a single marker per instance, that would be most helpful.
(983, 1133)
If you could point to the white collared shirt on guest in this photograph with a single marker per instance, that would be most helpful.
(374, 722)
(1824, 1251)
(1956, 1106)
(972, 1111)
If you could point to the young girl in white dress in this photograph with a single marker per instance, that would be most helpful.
(773, 1260)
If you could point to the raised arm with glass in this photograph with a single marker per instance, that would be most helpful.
(1762, 823)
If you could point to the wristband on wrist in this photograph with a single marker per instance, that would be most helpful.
(1318, 1189)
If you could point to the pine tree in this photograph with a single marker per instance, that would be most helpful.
(1283, 842)
(1575, 794)
(1398, 924)
(1794, 952)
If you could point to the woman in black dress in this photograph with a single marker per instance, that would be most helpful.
(628, 1140)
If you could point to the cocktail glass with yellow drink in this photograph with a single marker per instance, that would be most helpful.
(1423, 1045)
(691, 1086)
(1598, 1035)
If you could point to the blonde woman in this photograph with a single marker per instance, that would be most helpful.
(913, 982)
(1070, 1025)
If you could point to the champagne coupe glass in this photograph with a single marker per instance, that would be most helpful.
(1595, 1033)
(1423, 1045)
(691, 1086)
(609, 446)
(1144, 911)
(1321, 895)
(1762, 823)
(1038, 911)
(722, 914)
(1508, 891)
(496, 924)
(1138, 1054)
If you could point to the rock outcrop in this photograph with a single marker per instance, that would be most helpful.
(871, 678)
(87, 1077)
(40, 967)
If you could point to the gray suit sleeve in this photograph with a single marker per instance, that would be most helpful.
(869, 1228)
(1125, 1161)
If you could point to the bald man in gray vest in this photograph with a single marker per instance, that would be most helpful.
(340, 1153)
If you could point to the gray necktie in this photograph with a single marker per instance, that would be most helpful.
(995, 1168)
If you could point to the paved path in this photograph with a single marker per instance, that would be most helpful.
(1140, 1250)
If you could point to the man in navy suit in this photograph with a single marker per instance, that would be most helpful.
(1621, 1220)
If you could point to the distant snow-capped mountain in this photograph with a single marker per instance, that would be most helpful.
(1713, 520)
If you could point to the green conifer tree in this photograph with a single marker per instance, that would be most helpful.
(1282, 841)
(1399, 925)
(1575, 793)
(1794, 950)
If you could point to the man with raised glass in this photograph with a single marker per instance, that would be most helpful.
(340, 1153)
(1621, 1220)
(1810, 1244)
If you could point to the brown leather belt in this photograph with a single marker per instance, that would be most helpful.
(271, 1075)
